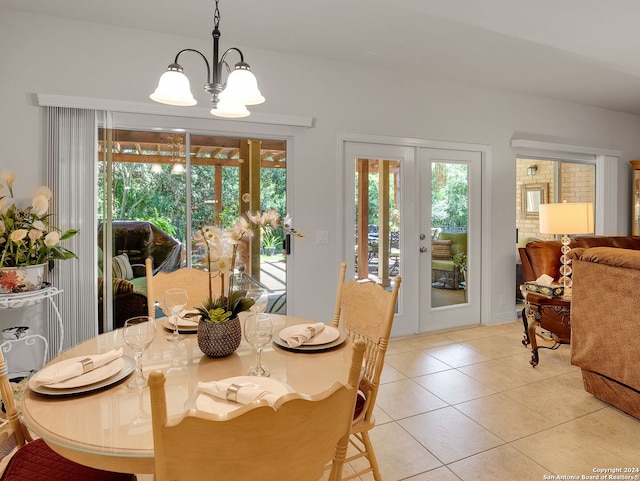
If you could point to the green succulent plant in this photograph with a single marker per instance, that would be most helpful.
(222, 309)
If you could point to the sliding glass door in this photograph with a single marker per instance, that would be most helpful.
(157, 188)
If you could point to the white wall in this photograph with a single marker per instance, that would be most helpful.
(56, 56)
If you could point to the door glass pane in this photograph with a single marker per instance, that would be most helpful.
(377, 227)
(449, 209)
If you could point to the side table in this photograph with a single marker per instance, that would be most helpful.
(552, 314)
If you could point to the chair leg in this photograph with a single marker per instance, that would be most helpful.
(371, 456)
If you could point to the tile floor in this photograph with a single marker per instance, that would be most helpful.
(466, 405)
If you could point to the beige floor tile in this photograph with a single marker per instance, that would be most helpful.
(497, 374)
(432, 340)
(454, 387)
(456, 355)
(399, 454)
(612, 430)
(462, 335)
(406, 398)
(504, 417)
(390, 374)
(563, 397)
(564, 452)
(449, 434)
(494, 347)
(415, 363)
(380, 416)
(501, 463)
(440, 474)
(400, 346)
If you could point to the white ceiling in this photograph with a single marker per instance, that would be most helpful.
(583, 51)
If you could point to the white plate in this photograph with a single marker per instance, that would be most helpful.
(128, 365)
(181, 326)
(328, 334)
(212, 404)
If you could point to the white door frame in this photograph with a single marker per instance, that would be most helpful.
(409, 290)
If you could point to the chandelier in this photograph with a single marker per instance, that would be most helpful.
(229, 98)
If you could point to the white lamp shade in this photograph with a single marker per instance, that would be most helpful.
(242, 87)
(230, 110)
(566, 218)
(174, 89)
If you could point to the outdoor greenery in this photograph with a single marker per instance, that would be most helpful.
(140, 194)
(449, 195)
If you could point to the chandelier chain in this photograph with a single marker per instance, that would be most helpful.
(216, 16)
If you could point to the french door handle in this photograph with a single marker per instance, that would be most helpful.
(423, 249)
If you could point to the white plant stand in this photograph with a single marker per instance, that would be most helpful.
(28, 299)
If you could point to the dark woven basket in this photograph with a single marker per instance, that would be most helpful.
(219, 339)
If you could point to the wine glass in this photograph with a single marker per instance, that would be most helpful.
(260, 297)
(138, 334)
(258, 330)
(175, 300)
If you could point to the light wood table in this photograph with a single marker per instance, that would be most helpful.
(96, 428)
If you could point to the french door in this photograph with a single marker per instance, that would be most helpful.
(400, 203)
(450, 232)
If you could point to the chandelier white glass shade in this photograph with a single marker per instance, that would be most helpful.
(566, 218)
(229, 98)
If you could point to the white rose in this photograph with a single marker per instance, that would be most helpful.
(52, 239)
(8, 176)
(40, 204)
(35, 234)
(44, 190)
(39, 225)
(17, 235)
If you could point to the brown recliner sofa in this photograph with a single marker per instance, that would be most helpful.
(543, 257)
(605, 324)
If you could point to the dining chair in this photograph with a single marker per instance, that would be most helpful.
(194, 281)
(26, 459)
(365, 311)
(292, 440)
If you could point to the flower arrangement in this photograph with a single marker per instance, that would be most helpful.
(27, 237)
(222, 248)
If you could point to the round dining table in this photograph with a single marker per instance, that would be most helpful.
(110, 428)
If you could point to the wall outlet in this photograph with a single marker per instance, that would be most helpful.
(502, 300)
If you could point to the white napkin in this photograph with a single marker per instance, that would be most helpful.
(69, 370)
(304, 333)
(544, 280)
(241, 393)
(191, 321)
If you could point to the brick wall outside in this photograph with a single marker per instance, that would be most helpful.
(577, 185)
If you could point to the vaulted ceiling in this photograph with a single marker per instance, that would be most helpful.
(583, 51)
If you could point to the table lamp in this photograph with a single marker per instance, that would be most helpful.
(566, 218)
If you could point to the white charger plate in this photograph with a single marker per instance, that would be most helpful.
(328, 334)
(126, 366)
(211, 404)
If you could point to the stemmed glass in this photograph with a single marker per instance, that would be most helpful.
(260, 297)
(258, 330)
(138, 334)
(175, 300)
